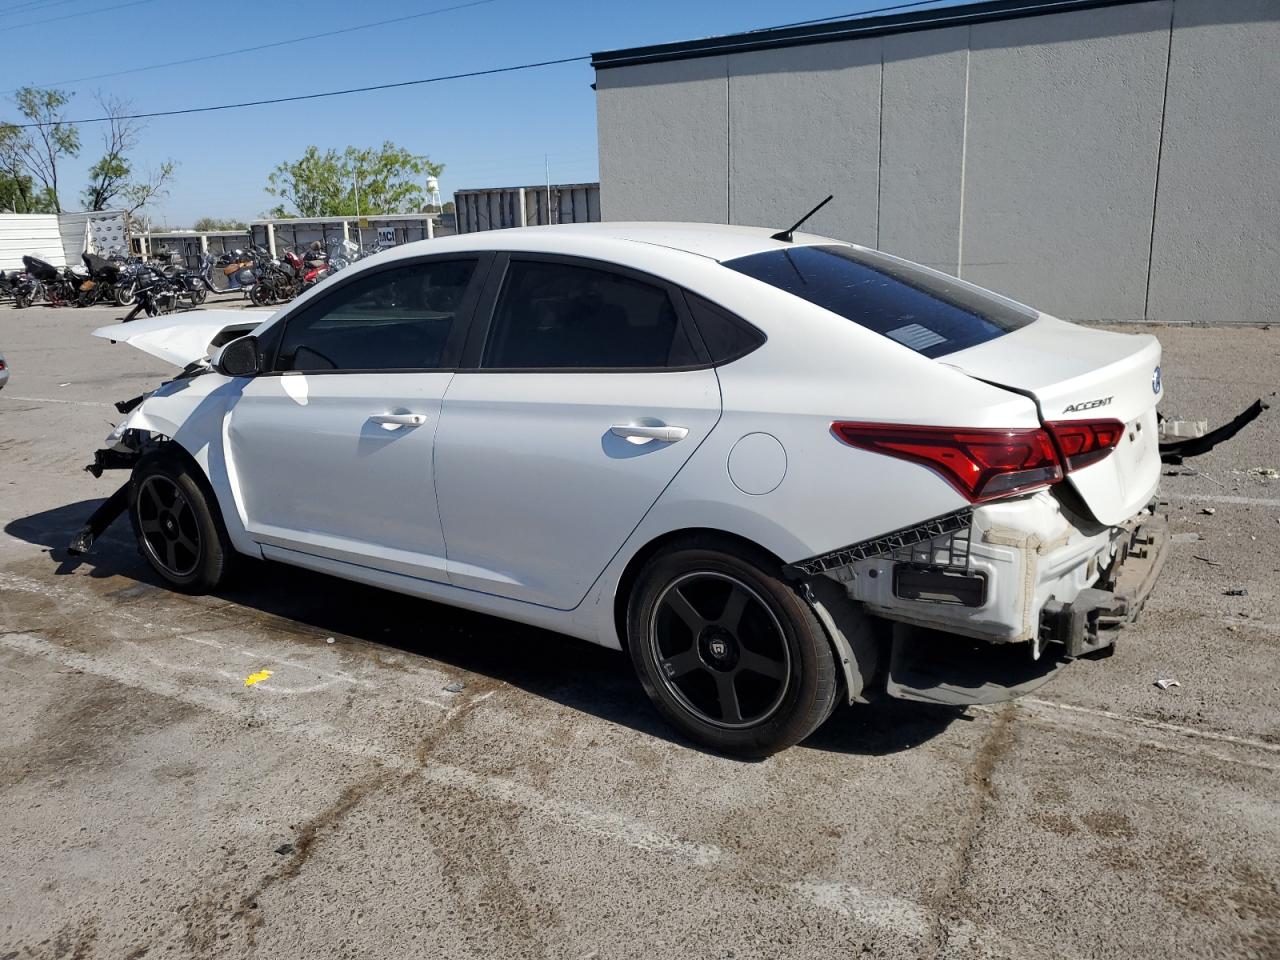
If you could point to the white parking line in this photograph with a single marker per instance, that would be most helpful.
(1222, 498)
(75, 403)
(611, 826)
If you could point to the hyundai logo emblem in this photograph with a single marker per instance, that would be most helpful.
(1155, 380)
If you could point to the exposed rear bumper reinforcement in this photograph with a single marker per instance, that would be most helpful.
(1088, 623)
(938, 667)
(952, 527)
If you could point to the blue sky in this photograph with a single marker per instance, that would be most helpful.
(489, 131)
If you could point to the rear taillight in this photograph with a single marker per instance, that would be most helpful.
(1084, 442)
(980, 463)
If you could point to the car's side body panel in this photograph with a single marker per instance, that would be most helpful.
(317, 474)
(537, 492)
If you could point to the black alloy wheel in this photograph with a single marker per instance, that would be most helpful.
(169, 530)
(721, 650)
(727, 650)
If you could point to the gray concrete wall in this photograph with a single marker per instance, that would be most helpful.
(1116, 163)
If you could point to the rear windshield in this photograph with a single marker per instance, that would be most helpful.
(931, 313)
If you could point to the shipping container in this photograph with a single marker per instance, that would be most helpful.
(383, 230)
(498, 208)
(188, 246)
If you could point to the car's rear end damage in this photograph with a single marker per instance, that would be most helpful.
(1062, 537)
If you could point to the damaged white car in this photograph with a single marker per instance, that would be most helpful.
(779, 470)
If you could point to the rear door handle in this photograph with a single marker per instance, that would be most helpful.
(643, 433)
(394, 421)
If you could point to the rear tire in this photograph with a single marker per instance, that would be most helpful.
(728, 652)
(178, 525)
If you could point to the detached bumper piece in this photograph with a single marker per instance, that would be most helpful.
(934, 667)
(1176, 451)
(1089, 623)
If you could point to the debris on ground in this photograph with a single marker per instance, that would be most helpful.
(1185, 537)
(1173, 451)
(1182, 429)
(1208, 511)
(284, 849)
(1164, 683)
(258, 677)
(456, 687)
(1236, 592)
(1212, 563)
(1268, 473)
(330, 640)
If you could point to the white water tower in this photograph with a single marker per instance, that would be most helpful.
(433, 193)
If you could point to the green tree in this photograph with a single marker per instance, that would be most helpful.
(38, 149)
(387, 179)
(206, 224)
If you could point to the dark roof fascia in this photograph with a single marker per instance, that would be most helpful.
(851, 29)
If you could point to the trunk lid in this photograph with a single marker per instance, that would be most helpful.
(1079, 373)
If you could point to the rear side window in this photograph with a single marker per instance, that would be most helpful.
(398, 319)
(932, 314)
(558, 315)
(726, 336)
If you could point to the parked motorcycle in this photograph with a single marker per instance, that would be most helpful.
(109, 281)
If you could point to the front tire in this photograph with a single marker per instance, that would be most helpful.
(728, 652)
(179, 528)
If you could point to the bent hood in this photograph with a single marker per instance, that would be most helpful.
(183, 338)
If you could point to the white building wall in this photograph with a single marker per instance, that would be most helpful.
(1111, 163)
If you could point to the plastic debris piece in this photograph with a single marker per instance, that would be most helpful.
(456, 687)
(1182, 429)
(258, 677)
(330, 640)
(284, 849)
(1164, 683)
(1208, 511)
(1236, 592)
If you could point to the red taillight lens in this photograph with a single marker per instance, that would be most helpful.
(1083, 442)
(980, 463)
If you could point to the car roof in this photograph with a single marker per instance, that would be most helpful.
(716, 241)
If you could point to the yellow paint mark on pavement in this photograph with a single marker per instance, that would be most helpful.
(258, 677)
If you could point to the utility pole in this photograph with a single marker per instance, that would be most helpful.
(546, 158)
(359, 229)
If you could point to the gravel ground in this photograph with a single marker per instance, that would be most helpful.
(153, 805)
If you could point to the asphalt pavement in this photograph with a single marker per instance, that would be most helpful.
(416, 781)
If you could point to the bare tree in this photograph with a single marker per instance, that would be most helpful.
(137, 194)
(109, 177)
(40, 147)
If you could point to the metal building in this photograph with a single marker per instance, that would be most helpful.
(1099, 159)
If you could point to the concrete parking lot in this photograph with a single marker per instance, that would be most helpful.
(352, 805)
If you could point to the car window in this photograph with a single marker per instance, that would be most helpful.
(726, 336)
(558, 315)
(928, 312)
(398, 319)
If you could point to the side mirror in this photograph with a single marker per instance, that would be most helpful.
(239, 358)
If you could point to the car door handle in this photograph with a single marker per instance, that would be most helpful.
(643, 432)
(394, 421)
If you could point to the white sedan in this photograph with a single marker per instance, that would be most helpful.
(779, 470)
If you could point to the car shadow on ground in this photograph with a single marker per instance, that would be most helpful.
(576, 674)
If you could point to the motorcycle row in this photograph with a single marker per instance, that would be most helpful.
(156, 287)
